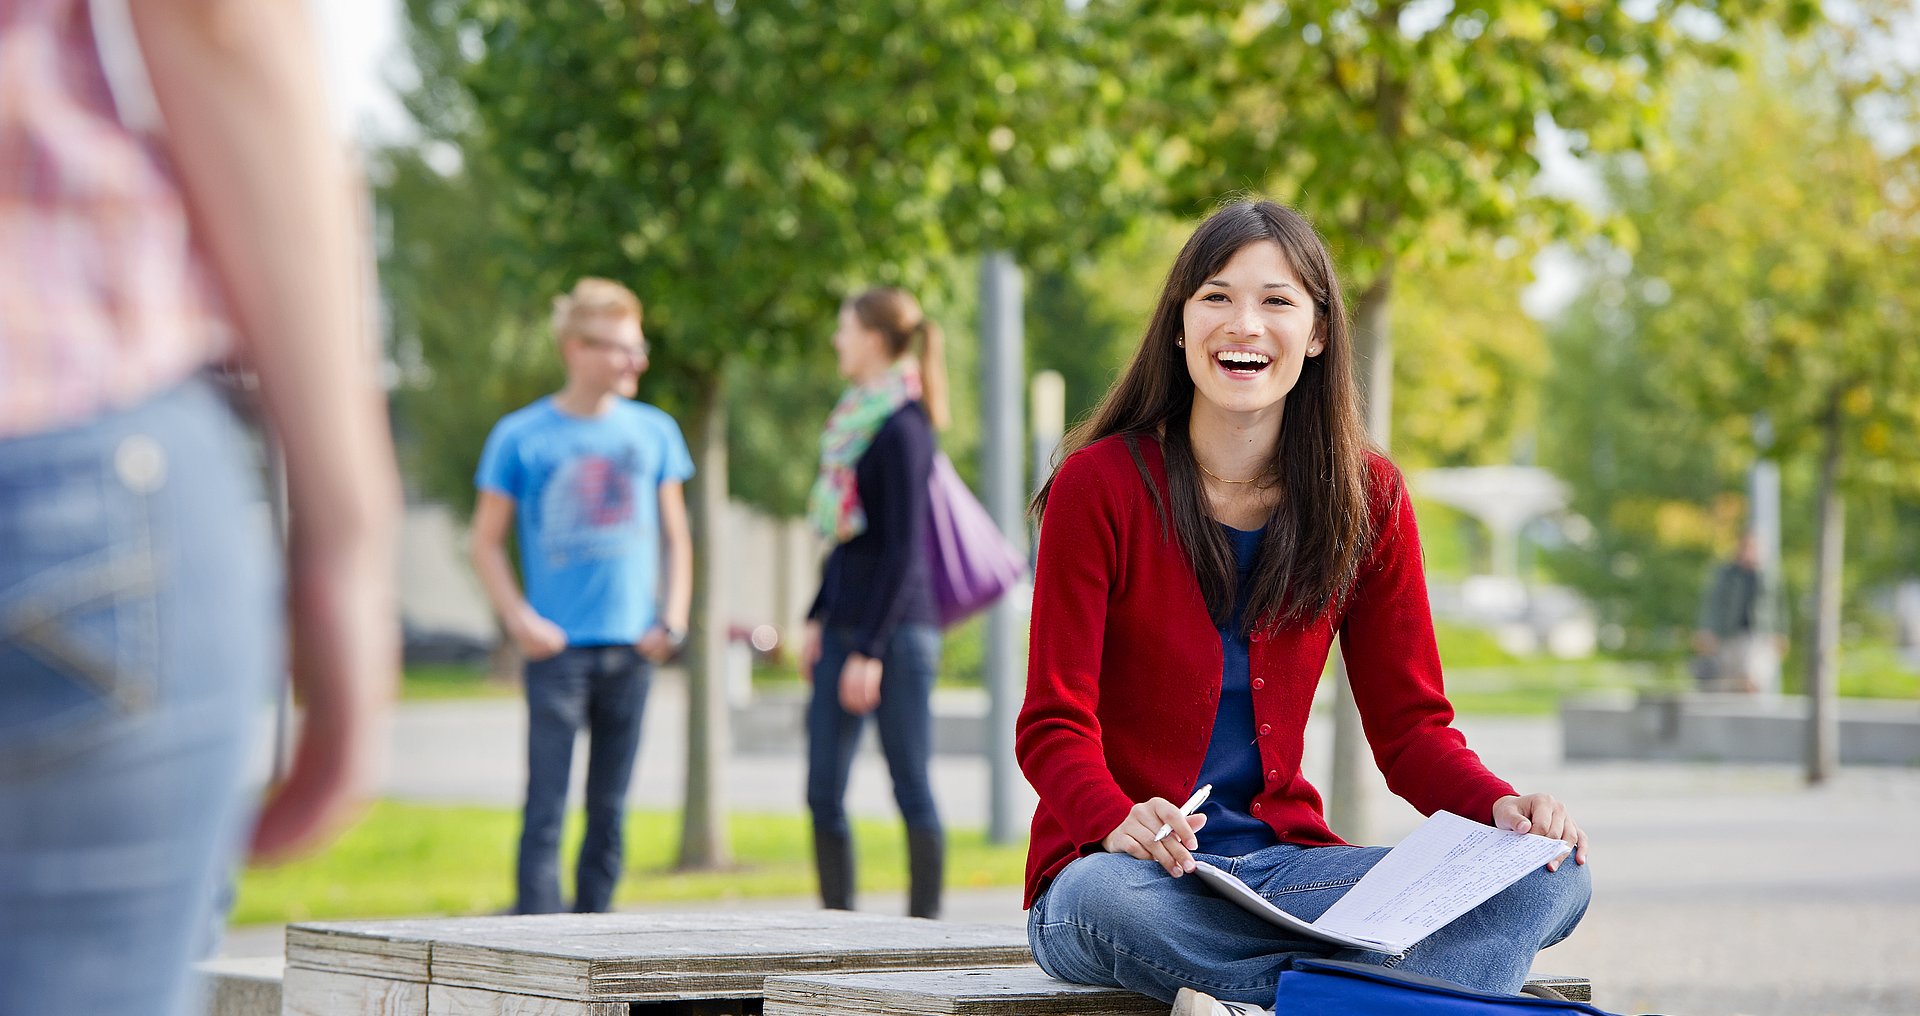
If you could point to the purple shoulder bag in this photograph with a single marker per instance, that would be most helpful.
(972, 563)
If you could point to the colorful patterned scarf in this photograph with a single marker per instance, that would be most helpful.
(834, 504)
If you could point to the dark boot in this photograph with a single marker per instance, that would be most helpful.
(926, 869)
(833, 860)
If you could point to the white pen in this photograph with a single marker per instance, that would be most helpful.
(1193, 804)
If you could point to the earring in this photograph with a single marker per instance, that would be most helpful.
(1180, 340)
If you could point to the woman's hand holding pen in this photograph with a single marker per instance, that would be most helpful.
(1544, 815)
(1137, 836)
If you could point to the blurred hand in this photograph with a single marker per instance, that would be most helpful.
(1543, 815)
(345, 659)
(1705, 643)
(809, 650)
(1134, 835)
(537, 637)
(860, 684)
(657, 646)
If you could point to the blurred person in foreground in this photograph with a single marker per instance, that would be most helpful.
(595, 481)
(872, 641)
(147, 213)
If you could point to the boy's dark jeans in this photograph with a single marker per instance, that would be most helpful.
(603, 689)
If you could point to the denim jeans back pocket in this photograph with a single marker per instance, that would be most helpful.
(79, 625)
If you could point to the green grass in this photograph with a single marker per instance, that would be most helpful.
(418, 859)
(1876, 671)
(430, 681)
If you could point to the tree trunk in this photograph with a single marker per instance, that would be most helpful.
(1823, 653)
(1351, 782)
(1373, 354)
(703, 832)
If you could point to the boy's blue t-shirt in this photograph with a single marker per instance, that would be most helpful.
(586, 496)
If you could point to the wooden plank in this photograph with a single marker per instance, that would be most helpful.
(443, 1000)
(397, 950)
(639, 957)
(319, 993)
(1004, 991)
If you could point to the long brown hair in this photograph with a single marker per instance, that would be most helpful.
(1321, 530)
(897, 316)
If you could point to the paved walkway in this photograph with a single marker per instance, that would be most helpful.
(1720, 889)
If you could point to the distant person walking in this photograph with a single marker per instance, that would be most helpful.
(1734, 653)
(151, 224)
(595, 481)
(872, 642)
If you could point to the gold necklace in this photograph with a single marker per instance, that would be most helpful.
(1222, 479)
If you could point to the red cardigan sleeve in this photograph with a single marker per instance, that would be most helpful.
(1057, 737)
(1394, 665)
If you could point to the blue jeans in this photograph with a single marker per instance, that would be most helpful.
(140, 631)
(1114, 920)
(604, 689)
(905, 716)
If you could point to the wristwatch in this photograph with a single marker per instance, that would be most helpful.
(675, 636)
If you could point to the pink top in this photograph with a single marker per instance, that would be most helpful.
(104, 297)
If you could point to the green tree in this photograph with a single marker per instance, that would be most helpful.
(742, 166)
(464, 359)
(1658, 485)
(1379, 118)
(1467, 375)
(1777, 274)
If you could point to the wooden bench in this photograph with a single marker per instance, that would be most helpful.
(609, 964)
(1003, 991)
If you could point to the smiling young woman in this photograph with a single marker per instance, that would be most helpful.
(1208, 532)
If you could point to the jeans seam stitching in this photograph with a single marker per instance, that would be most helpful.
(1310, 887)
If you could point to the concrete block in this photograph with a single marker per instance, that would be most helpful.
(242, 987)
(1732, 728)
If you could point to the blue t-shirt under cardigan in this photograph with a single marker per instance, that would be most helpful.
(1233, 763)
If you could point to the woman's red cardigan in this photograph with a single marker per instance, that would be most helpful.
(1123, 674)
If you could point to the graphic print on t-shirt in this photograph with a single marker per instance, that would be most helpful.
(587, 509)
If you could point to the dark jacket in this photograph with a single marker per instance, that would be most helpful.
(880, 579)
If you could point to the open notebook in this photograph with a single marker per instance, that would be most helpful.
(1443, 869)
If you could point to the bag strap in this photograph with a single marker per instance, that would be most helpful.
(117, 46)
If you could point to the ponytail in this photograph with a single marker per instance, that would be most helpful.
(933, 373)
(905, 328)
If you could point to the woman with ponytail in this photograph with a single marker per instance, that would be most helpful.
(872, 641)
